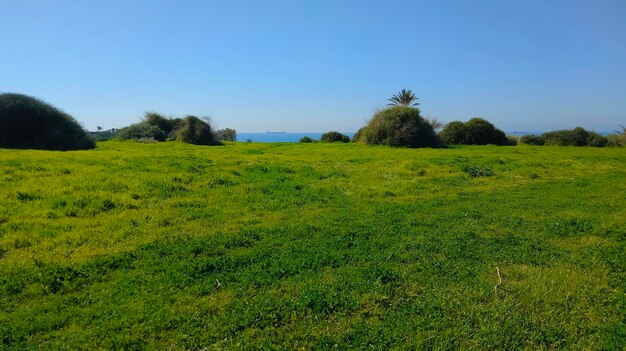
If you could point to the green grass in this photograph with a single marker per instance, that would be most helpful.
(315, 246)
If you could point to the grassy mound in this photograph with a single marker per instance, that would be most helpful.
(29, 123)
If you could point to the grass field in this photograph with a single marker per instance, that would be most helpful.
(312, 246)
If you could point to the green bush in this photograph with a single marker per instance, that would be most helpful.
(306, 139)
(616, 140)
(193, 130)
(531, 139)
(476, 131)
(596, 140)
(142, 130)
(334, 137)
(574, 137)
(478, 171)
(511, 140)
(163, 123)
(227, 134)
(399, 126)
(357, 136)
(29, 123)
(454, 133)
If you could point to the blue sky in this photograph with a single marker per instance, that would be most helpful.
(320, 65)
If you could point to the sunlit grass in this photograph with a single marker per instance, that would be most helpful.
(168, 245)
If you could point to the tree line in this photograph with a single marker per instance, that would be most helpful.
(27, 122)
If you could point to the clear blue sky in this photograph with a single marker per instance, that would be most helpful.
(320, 65)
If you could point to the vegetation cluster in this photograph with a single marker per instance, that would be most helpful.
(476, 131)
(399, 126)
(29, 123)
(190, 129)
(334, 137)
(574, 137)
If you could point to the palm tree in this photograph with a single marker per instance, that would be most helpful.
(404, 98)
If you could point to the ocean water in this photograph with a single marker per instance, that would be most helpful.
(280, 137)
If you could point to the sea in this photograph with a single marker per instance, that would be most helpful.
(280, 137)
(288, 137)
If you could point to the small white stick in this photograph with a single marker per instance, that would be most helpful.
(499, 281)
(219, 285)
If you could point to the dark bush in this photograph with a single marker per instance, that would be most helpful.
(511, 140)
(29, 123)
(531, 139)
(193, 130)
(306, 139)
(399, 126)
(141, 130)
(334, 137)
(163, 123)
(476, 131)
(454, 133)
(596, 140)
(574, 137)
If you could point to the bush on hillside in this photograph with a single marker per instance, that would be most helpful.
(163, 123)
(481, 132)
(227, 134)
(476, 131)
(29, 123)
(399, 126)
(141, 130)
(357, 136)
(616, 140)
(454, 133)
(334, 137)
(574, 137)
(306, 139)
(193, 130)
(596, 140)
(531, 139)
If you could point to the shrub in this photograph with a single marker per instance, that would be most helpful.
(306, 139)
(531, 139)
(141, 130)
(163, 123)
(454, 133)
(399, 126)
(333, 137)
(357, 136)
(596, 140)
(511, 140)
(193, 130)
(574, 137)
(227, 134)
(29, 123)
(616, 140)
(478, 171)
(476, 131)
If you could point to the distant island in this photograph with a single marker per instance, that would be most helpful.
(268, 132)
